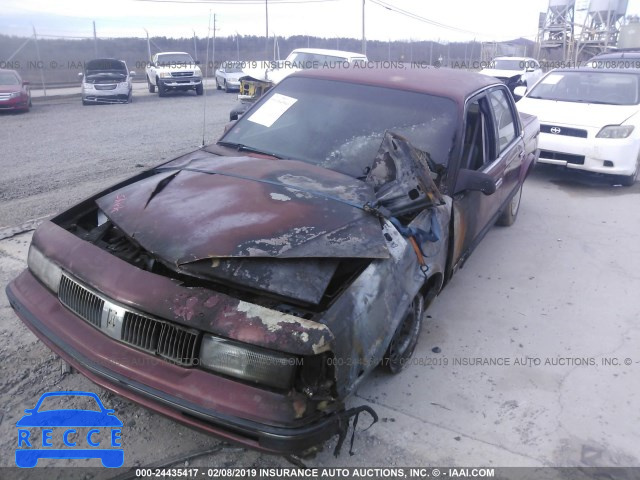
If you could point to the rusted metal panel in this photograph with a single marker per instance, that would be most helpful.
(194, 307)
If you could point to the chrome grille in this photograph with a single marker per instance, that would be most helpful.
(5, 96)
(107, 86)
(141, 331)
(81, 301)
(182, 74)
(175, 343)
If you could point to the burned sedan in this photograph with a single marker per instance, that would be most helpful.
(247, 288)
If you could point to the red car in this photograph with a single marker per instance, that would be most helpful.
(14, 92)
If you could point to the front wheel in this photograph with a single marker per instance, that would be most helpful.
(161, 90)
(510, 214)
(199, 89)
(629, 180)
(405, 338)
(152, 88)
(218, 87)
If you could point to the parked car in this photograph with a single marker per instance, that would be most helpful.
(106, 80)
(257, 82)
(14, 92)
(174, 71)
(514, 71)
(589, 120)
(248, 288)
(228, 76)
(622, 59)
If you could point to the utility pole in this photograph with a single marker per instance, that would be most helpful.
(266, 37)
(95, 39)
(40, 65)
(213, 46)
(148, 44)
(195, 45)
(237, 46)
(364, 40)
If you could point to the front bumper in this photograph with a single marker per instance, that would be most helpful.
(16, 103)
(181, 84)
(237, 412)
(116, 95)
(599, 155)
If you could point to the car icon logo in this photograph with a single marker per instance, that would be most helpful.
(41, 431)
(555, 130)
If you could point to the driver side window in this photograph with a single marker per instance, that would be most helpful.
(477, 150)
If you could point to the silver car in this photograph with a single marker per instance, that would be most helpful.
(106, 80)
(228, 76)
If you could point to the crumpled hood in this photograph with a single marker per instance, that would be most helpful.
(204, 206)
(574, 113)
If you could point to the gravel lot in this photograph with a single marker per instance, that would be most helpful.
(559, 285)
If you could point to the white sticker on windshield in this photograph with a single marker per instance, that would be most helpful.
(272, 109)
(552, 79)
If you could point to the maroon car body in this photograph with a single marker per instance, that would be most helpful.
(247, 288)
(14, 92)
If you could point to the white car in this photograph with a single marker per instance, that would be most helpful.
(306, 58)
(514, 71)
(589, 120)
(228, 76)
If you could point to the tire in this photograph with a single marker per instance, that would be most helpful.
(509, 216)
(199, 89)
(85, 103)
(629, 180)
(405, 338)
(130, 99)
(152, 88)
(161, 90)
(226, 90)
(218, 87)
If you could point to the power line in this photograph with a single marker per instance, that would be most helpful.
(420, 18)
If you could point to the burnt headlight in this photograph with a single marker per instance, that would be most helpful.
(44, 269)
(247, 362)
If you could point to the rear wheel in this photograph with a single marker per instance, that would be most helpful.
(405, 338)
(152, 88)
(510, 214)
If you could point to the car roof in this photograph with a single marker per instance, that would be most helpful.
(325, 51)
(442, 82)
(614, 55)
(173, 53)
(514, 58)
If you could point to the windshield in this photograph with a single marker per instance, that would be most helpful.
(508, 64)
(232, 67)
(305, 60)
(8, 78)
(174, 59)
(340, 126)
(613, 88)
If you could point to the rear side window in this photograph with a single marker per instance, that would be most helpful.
(504, 118)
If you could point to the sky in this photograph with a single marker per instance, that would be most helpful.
(486, 20)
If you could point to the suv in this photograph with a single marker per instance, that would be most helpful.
(174, 71)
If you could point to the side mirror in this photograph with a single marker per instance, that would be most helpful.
(473, 181)
(132, 73)
(520, 91)
(197, 62)
(26, 82)
(152, 64)
(530, 70)
(80, 74)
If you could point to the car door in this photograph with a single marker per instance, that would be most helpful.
(510, 142)
(474, 212)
